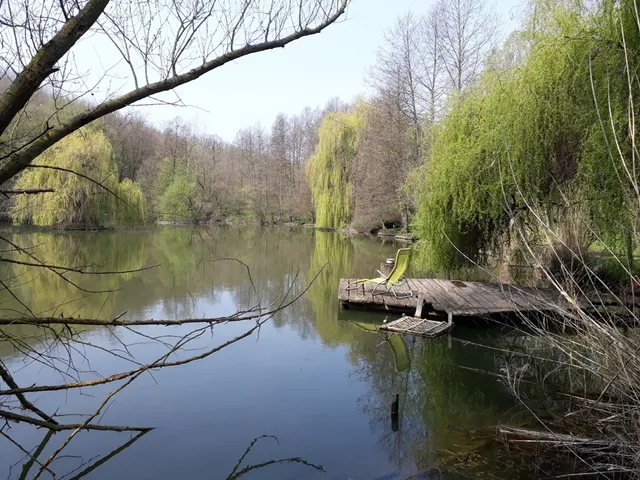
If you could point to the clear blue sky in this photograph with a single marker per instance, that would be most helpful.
(309, 72)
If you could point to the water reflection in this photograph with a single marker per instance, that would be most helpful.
(241, 469)
(321, 379)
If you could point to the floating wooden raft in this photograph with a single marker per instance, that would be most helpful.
(416, 326)
(453, 298)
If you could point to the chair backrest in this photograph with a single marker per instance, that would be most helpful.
(403, 258)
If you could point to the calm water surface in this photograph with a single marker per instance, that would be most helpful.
(316, 378)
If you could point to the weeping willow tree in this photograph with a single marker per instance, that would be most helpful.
(77, 200)
(131, 206)
(329, 171)
(534, 146)
(47, 292)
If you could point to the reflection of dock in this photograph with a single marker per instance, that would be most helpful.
(449, 299)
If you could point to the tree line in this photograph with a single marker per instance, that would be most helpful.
(472, 143)
(49, 103)
(123, 170)
(277, 174)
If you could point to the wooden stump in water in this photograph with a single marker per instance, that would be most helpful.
(395, 408)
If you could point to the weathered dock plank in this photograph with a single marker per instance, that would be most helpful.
(452, 297)
(363, 296)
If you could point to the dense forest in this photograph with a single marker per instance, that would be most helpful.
(472, 144)
(282, 173)
(134, 173)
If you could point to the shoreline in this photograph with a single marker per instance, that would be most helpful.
(346, 231)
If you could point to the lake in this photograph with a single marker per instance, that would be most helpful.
(308, 396)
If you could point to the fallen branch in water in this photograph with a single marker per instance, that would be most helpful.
(551, 438)
(258, 466)
(26, 404)
(81, 270)
(237, 472)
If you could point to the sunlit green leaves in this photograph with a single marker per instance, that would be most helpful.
(547, 136)
(78, 200)
(329, 170)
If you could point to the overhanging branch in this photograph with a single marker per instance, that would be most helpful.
(18, 162)
(27, 191)
(43, 63)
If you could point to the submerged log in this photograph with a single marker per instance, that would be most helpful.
(551, 438)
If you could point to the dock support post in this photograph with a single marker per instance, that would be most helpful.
(419, 306)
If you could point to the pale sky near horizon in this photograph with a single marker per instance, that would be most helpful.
(308, 72)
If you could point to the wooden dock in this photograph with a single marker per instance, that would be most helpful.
(453, 298)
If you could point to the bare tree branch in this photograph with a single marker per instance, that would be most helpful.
(22, 158)
(42, 64)
(27, 191)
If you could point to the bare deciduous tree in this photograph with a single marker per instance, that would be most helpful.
(382, 164)
(399, 73)
(134, 142)
(431, 63)
(165, 44)
(468, 33)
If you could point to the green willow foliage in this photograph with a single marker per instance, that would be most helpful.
(134, 211)
(51, 293)
(175, 202)
(540, 136)
(76, 200)
(178, 195)
(329, 170)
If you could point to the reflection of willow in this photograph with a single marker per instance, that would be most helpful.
(186, 269)
(346, 257)
(49, 294)
(436, 395)
(196, 262)
(336, 252)
(187, 272)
